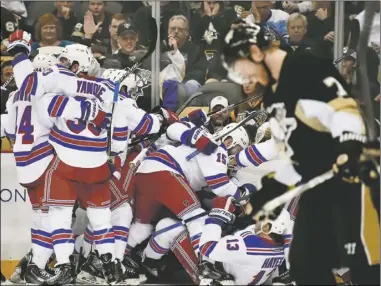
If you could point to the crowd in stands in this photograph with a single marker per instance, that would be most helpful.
(191, 36)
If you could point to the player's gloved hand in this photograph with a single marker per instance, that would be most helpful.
(198, 117)
(114, 168)
(166, 116)
(244, 191)
(349, 151)
(223, 210)
(91, 111)
(19, 42)
(271, 189)
(198, 137)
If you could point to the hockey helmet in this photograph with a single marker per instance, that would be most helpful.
(129, 83)
(239, 136)
(77, 53)
(279, 225)
(238, 42)
(43, 61)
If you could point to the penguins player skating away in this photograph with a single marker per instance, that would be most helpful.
(326, 129)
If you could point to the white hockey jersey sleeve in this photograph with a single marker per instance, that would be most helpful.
(55, 79)
(214, 168)
(128, 117)
(52, 106)
(257, 154)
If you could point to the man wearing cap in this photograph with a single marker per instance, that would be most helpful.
(349, 66)
(221, 119)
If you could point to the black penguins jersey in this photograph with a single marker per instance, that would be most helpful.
(315, 94)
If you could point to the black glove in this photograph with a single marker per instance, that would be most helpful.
(349, 149)
(271, 189)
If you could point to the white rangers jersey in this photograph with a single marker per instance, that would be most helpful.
(250, 258)
(200, 171)
(30, 131)
(257, 154)
(31, 149)
(71, 138)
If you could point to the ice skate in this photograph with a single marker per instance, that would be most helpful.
(91, 271)
(35, 275)
(64, 275)
(210, 275)
(133, 273)
(112, 270)
(18, 275)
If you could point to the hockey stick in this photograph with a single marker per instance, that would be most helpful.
(241, 123)
(364, 95)
(184, 222)
(232, 106)
(151, 49)
(228, 108)
(288, 196)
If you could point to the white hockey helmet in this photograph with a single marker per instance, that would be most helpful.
(239, 136)
(77, 53)
(279, 225)
(43, 61)
(129, 82)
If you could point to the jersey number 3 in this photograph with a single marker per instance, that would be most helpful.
(25, 127)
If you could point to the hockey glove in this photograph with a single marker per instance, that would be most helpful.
(91, 111)
(347, 162)
(271, 189)
(19, 42)
(167, 117)
(198, 138)
(198, 117)
(222, 211)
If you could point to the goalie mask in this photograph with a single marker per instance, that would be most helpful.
(238, 43)
(128, 85)
(77, 54)
(44, 61)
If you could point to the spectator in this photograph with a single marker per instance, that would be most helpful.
(67, 17)
(127, 38)
(298, 6)
(297, 30)
(116, 20)
(195, 73)
(167, 10)
(211, 23)
(6, 74)
(48, 32)
(349, 66)
(321, 28)
(276, 19)
(221, 119)
(95, 27)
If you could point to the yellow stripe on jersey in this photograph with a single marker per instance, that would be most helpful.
(370, 227)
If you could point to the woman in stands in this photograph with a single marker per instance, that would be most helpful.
(48, 32)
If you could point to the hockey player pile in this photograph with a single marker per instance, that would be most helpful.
(71, 145)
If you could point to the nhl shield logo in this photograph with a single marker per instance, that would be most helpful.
(186, 203)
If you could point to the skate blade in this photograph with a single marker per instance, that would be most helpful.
(132, 281)
(226, 282)
(142, 278)
(205, 281)
(7, 282)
